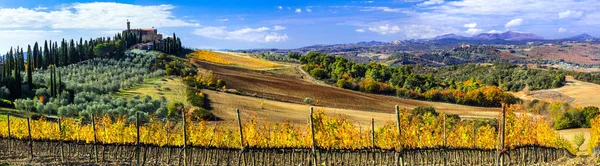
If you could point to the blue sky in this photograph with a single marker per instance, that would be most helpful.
(228, 24)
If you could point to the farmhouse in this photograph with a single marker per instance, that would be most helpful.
(148, 34)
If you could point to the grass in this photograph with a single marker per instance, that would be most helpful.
(14, 113)
(172, 89)
(240, 60)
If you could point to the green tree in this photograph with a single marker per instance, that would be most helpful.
(590, 113)
(578, 140)
(29, 68)
(104, 50)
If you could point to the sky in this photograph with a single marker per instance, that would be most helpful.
(244, 24)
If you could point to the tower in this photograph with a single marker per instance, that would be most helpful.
(128, 25)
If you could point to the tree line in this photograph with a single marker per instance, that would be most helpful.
(416, 82)
(62, 53)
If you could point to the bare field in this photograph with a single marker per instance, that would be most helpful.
(577, 93)
(293, 89)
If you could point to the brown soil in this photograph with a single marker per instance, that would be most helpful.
(292, 88)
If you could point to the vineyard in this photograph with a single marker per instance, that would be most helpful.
(412, 139)
(232, 59)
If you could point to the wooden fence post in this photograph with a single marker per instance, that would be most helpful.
(373, 133)
(503, 132)
(401, 159)
(444, 147)
(241, 129)
(137, 141)
(8, 126)
(314, 142)
(95, 138)
(62, 152)
(373, 138)
(500, 149)
(240, 155)
(30, 138)
(184, 138)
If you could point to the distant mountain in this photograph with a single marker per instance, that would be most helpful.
(450, 36)
(371, 43)
(582, 36)
(509, 35)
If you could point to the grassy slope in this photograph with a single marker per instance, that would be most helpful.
(172, 89)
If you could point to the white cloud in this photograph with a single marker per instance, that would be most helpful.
(262, 34)
(274, 37)
(385, 29)
(279, 7)
(308, 10)
(223, 19)
(473, 31)
(570, 14)
(495, 31)
(96, 15)
(24, 37)
(40, 8)
(561, 30)
(514, 23)
(431, 2)
(278, 28)
(298, 10)
(381, 8)
(471, 25)
(413, 31)
(360, 30)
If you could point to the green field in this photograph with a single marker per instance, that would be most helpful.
(172, 88)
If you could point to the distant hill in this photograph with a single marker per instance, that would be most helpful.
(509, 35)
(582, 36)
(450, 36)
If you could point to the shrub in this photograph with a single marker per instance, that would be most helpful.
(199, 113)
(423, 110)
(174, 108)
(590, 113)
(319, 73)
(196, 98)
(578, 140)
(6, 103)
(564, 122)
(308, 100)
(4, 92)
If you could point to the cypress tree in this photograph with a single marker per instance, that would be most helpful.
(55, 54)
(30, 65)
(60, 87)
(73, 56)
(36, 56)
(53, 80)
(46, 55)
(18, 73)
